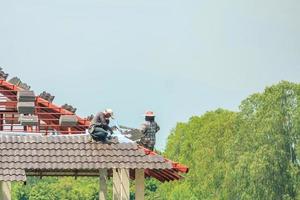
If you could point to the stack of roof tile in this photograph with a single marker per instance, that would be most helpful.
(26, 96)
(18, 82)
(26, 107)
(47, 96)
(69, 108)
(66, 153)
(3, 75)
(26, 101)
(68, 120)
(26, 120)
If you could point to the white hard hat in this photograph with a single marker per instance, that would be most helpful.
(149, 114)
(109, 111)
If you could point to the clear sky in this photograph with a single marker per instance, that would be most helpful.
(176, 57)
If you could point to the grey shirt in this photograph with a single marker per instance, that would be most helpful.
(101, 120)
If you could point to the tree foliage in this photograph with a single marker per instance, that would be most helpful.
(250, 154)
(66, 188)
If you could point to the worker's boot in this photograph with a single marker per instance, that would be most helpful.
(111, 140)
(90, 138)
(108, 140)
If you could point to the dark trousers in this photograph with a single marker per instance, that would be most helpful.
(147, 145)
(99, 134)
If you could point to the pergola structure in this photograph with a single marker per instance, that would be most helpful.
(39, 138)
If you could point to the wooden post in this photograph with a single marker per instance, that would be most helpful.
(116, 184)
(1, 122)
(121, 184)
(5, 190)
(12, 122)
(125, 194)
(139, 184)
(103, 186)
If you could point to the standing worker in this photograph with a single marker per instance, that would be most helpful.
(99, 128)
(149, 129)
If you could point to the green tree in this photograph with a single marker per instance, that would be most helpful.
(251, 154)
(266, 149)
(204, 145)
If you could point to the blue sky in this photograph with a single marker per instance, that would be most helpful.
(178, 58)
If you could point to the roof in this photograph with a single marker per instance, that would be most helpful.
(36, 153)
(48, 115)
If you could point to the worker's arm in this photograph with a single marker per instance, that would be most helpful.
(102, 119)
(143, 128)
(105, 123)
(110, 129)
(99, 119)
(157, 128)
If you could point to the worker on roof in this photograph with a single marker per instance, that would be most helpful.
(149, 128)
(99, 128)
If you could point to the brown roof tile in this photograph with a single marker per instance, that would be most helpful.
(74, 152)
(12, 174)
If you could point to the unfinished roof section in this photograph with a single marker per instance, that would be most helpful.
(48, 116)
(69, 153)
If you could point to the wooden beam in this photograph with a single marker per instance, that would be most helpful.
(63, 173)
(139, 184)
(103, 186)
(5, 190)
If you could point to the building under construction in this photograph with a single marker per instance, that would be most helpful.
(39, 138)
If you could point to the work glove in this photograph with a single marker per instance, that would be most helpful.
(110, 130)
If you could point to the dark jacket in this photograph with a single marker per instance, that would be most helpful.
(149, 128)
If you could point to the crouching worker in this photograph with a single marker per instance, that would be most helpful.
(99, 128)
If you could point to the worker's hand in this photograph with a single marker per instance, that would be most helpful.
(110, 130)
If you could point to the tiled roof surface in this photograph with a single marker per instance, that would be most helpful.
(69, 152)
(12, 175)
